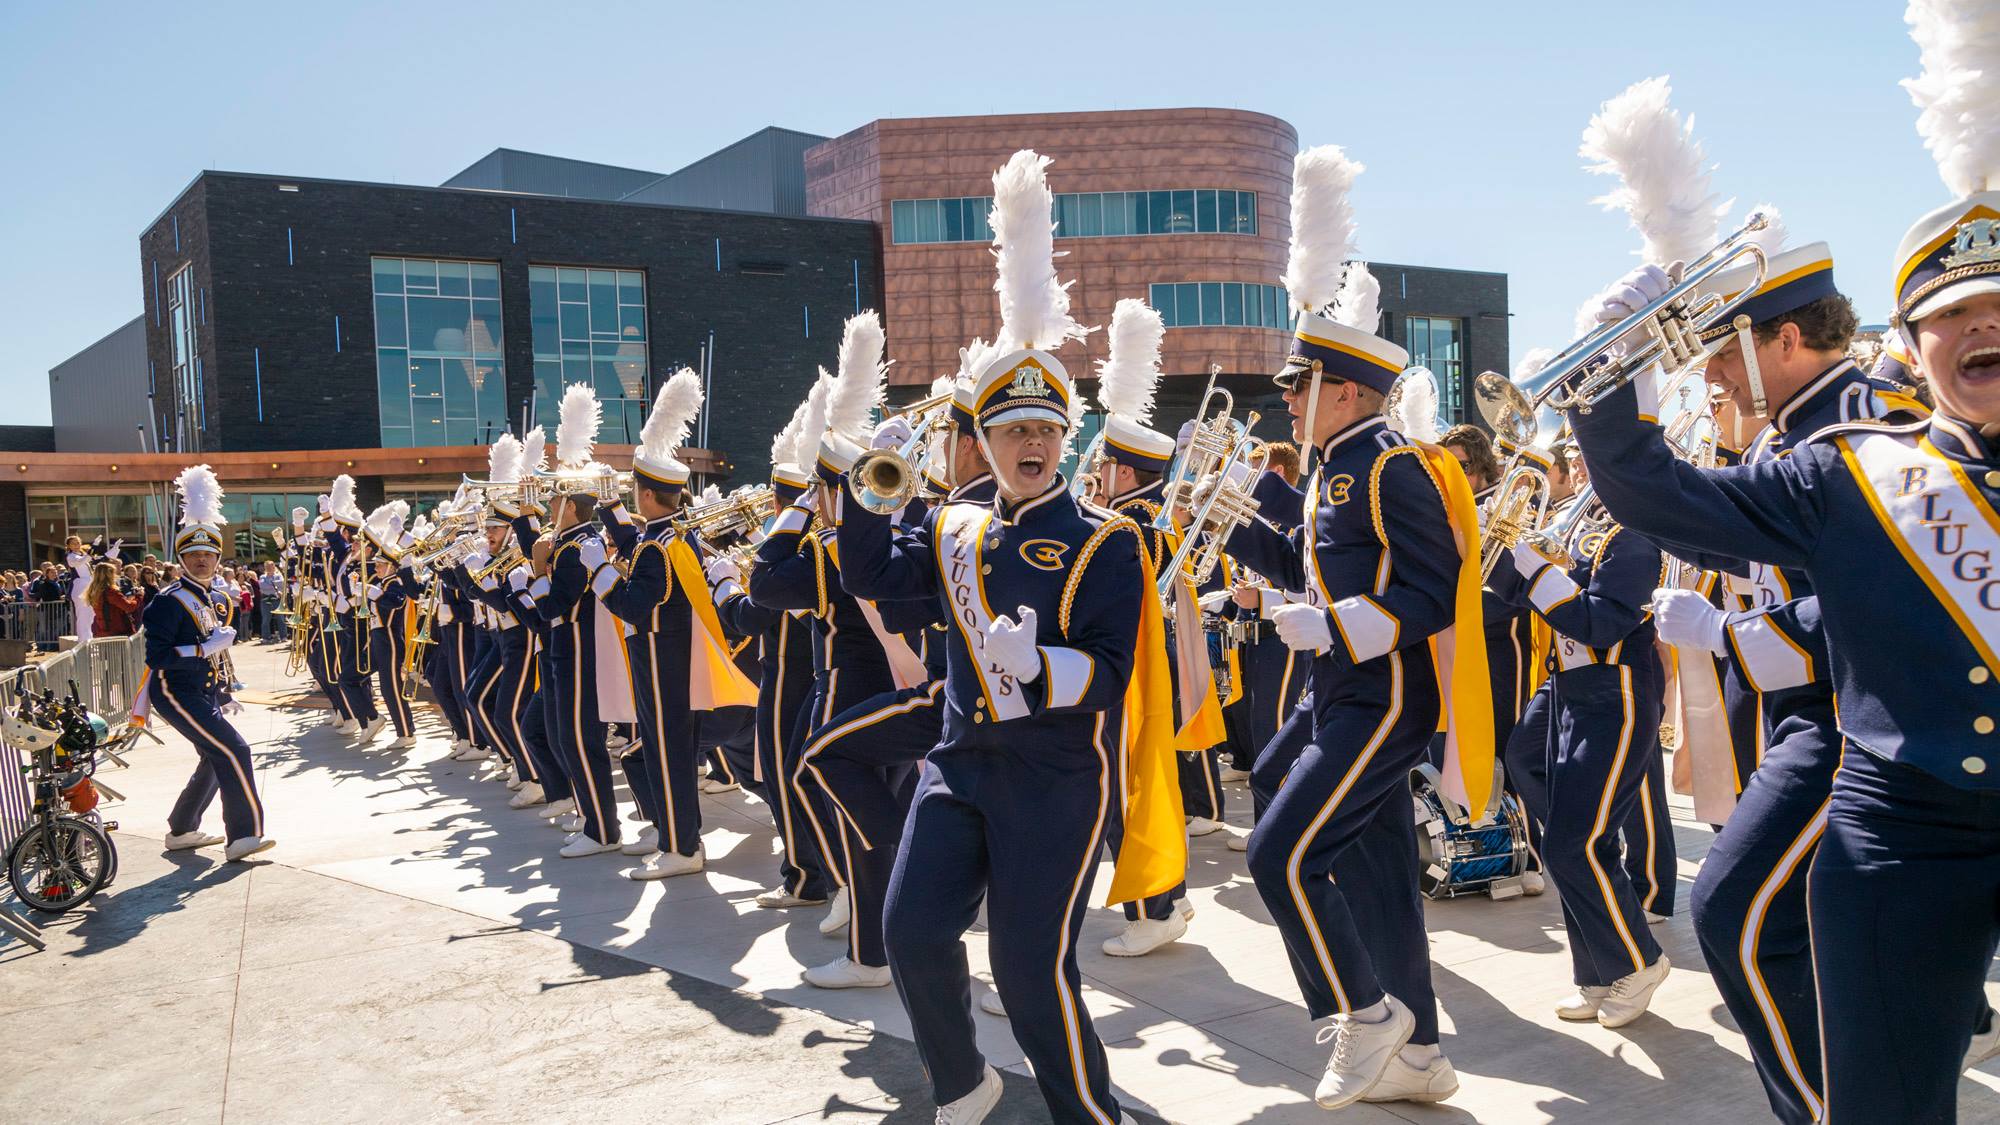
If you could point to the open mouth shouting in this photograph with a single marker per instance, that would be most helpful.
(1980, 366)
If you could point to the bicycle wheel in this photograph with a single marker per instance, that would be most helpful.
(59, 864)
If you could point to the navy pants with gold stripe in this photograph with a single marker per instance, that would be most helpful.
(1021, 828)
(224, 764)
(580, 740)
(1578, 757)
(665, 768)
(1904, 929)
(389, 646)
(1352, 939)
(1750, 914)
(323, 663)
(865, 761)
(1649, 844)
(353, 679)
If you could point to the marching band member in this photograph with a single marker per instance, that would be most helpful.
(391, 594)
(1386, 555)
(526, 654)
(323, 643)
(187, 637)
(580, 637)
(350, 608)
(865, 757)
(784, 682)
(680, 665)
(1013, 801)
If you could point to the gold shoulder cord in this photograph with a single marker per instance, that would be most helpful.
(819, 572)
(1121, 523)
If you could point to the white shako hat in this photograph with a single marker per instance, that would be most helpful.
(1024, 379)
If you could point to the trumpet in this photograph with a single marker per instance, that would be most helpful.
(1580, 377)
(1220, 450)
(735, 514)
(601, 481)
(883, 480)
(451, 553)
(508, 558)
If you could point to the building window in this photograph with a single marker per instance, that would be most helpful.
(1089, 214)
(132, 517)
(590, 327)
(1437, 342)
(189, 416)
(1233, 304)
(438, 348)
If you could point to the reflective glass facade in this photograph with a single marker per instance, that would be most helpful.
(1089, 214)
(1437, 342)
(590, 327)
(189, 414)
(1235, 304)
(438, 348)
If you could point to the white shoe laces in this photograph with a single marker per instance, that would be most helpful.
(1346, 1035)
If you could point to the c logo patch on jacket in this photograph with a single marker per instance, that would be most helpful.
(1044, 554)
(1337, 487)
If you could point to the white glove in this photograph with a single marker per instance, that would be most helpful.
(1631, 293)
(590, 552)
(1186, 433)
(115, 545)
(1686, 620)
(325, 504)
(487, 582)
(374, 592)
(1011, 647)
(1528, 560)
(222, 638)
(340, 603)
(1214, 600)
(891, 434)
(478, 559)
(444, 614)
(1302, 626)
(232, 708)
(517, 579)
(722, 567)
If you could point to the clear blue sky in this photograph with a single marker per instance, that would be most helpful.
(1466, 115)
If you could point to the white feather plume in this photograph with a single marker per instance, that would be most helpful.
(805, 449)
(423, 528)
(201, 496)
(534, 452)
(1034, 306)
(711, 494)
(973, 358)
(943, 385)
(340, 500)
(1128, 379)
(786, 441)
(1531, 364)
(857, 391)
(503, 459)
(1958, 93)
(1322, 226)
(1417, 407)
(1359, 305)
(382, 519)
(1662, 171)
(576, 431)
(1772, 237)
(672, 416)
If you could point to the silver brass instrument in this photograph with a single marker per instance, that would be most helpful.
(883, 480)
(1221, 451)
(1695, 437)
(1585, 374)
(1521, 501)
(1089, 467)
(738, 513)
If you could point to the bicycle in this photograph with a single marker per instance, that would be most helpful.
(66, 855)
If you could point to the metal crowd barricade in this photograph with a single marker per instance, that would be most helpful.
(42, 624)
(107, 674)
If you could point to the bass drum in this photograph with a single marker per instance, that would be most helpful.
(1456, 856)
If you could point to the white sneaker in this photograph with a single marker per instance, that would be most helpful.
(342, 725)
(645, 843)
(558, 808)
(1361, 1053)
(1982, 1047)
(973, 1108)
(1239, 843)
(247, 847)
(182, 841)
(1185, 909)
(458, 744)
(782, 899)
(989, 1002)
(514, 780)
(1403, 1082)
(526, 797)
(471, 754)
(579, 845)
(1231, 773)
(570, 823)
(1630, 994)
(717, 785)
(1532, 883)
(1143, 935)
(1202, 826)
(666, 865)
(837, 915)
(373, 728)
(403, 742)
(1653, 919)
(1583, 1003)
(845, 973)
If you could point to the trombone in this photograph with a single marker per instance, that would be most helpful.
(883, 480)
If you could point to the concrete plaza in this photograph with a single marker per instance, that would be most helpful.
(413, 950)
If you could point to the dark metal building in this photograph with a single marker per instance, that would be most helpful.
(97, 397)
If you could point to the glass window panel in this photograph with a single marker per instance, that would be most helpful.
(485, 271)
(392, 385)
(1253, 305)
(1091, 214)
(548, 384)
(397, 437)
(267, 508)
(458, 401)
(1232, 303)
(439, 324)
(1285, 310)
(603, 303)
(420, 273)
(575, 322)
(980, 229)
(573, 285)
(903, 220)
(388, 275)
(121, 509)
(485, 338)
(426, 381)
(1272, 313)
(1117, 215)
(1159, 205)
(1181, 221)
(1204, 209)
(1161, 297)
(1225, 212)
(390, 329)
(1135, 212)
(429, 425)
(574, 370)
(951, 220)
(1246, 212)
(1065, 216)
(631, 287)
(631, 323)
(453, 279)
(1187, 304)
(483, 286)
(542, 310)
(1211, 302)
(927, 220)
(86, 509)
